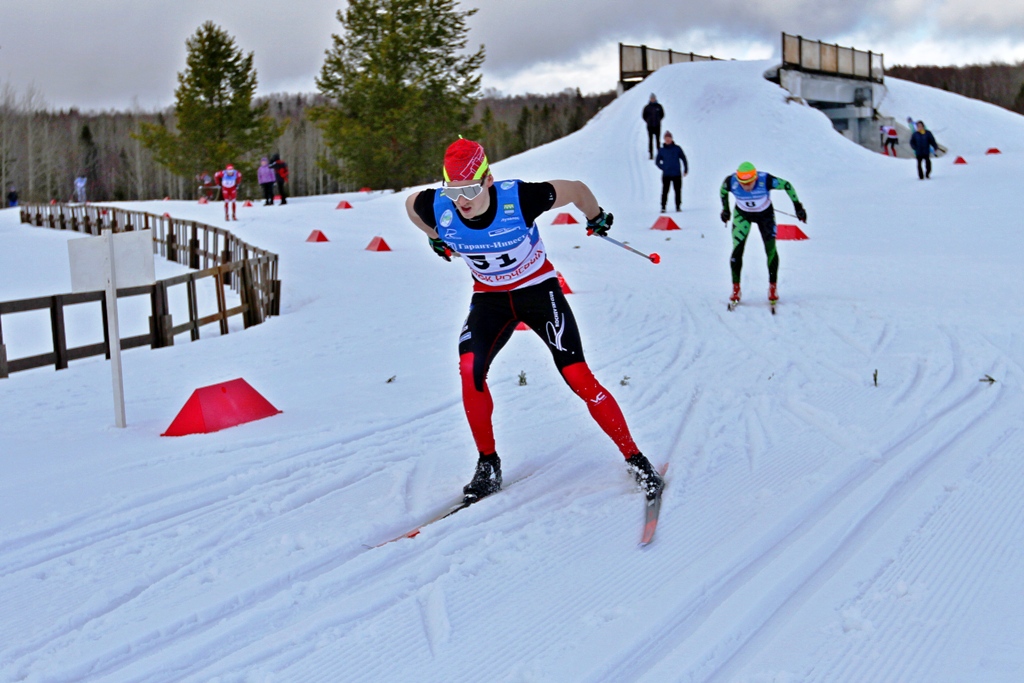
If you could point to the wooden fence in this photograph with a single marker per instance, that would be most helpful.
(212, 251)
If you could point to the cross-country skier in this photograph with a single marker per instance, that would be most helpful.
(492, 226)
(229, 179)
(752, 190)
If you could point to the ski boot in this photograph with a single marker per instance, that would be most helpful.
(646, 476)
(734, 300)
(487, 479)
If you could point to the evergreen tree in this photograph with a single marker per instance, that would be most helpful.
(399, 91)
(216, 121)
(89, 156)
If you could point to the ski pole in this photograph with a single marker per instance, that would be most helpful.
(654, 258)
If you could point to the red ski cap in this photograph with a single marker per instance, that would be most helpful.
(464, 160)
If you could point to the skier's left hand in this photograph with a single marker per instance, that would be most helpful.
(600, 224)
(801, 213)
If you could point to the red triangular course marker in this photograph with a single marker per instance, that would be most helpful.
(960, 160)
(564, 219)
(563, 284)
(522, 326)
(247, 203)
(365, 189)
(204, 200)
(219, 406)
(665, 223)
(343, 205)
(784, 231)
(993, 150)
(317, 236)
(378, 244)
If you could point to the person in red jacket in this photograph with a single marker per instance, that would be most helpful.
(229, 179)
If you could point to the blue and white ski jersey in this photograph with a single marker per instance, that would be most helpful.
(758, 198)
(505, 255)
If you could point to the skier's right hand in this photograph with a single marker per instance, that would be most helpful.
(600, 224)
(726, 215)
(440, 248)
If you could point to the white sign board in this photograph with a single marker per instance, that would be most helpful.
(107, 263)
(90, 261)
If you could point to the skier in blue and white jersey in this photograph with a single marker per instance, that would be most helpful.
(752, 191)
(492, 226)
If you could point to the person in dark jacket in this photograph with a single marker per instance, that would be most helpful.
(672, 162)
(12, 197)
(923, 142)
(281, 171)
(653, 114)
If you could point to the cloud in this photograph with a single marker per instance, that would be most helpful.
(107, 53)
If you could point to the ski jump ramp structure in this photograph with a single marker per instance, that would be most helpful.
(845, 83)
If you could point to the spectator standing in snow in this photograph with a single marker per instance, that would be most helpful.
(492, 225)
(80, 183)
(672, 162)
(281, 171)
(653, 114)
(266, 177)
(752, 190)
(229, 179)
(890, 138)
(12, 197)
(923, 143)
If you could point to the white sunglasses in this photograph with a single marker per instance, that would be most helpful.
(467, 191)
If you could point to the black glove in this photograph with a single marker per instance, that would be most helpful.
(726, 215)
(801, 213)
(440, 248)
(600, 224)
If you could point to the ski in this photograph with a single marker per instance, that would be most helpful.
(732, 305)
(652, 512)
(772, 304)
(448, 512)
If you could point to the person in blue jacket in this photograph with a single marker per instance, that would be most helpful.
(923, 143)
(672, 162)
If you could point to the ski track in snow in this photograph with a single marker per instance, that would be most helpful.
(815, 527)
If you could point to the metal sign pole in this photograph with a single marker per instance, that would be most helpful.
(114, 334)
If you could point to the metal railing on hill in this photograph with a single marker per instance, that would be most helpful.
(214, 253)
(637, 62)
(816, 56)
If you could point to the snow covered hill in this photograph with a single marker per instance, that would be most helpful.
(816, 526)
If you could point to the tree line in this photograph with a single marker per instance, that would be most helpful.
(997, 83)
(42, 150)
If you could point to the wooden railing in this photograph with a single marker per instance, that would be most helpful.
(637, 62)
(214, 252)
(815, 56)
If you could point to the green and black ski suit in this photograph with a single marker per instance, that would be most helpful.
(754, 206)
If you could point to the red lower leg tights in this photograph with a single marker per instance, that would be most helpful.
(602, 406)
(478, 406)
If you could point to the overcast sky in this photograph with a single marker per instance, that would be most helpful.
(102, 54)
